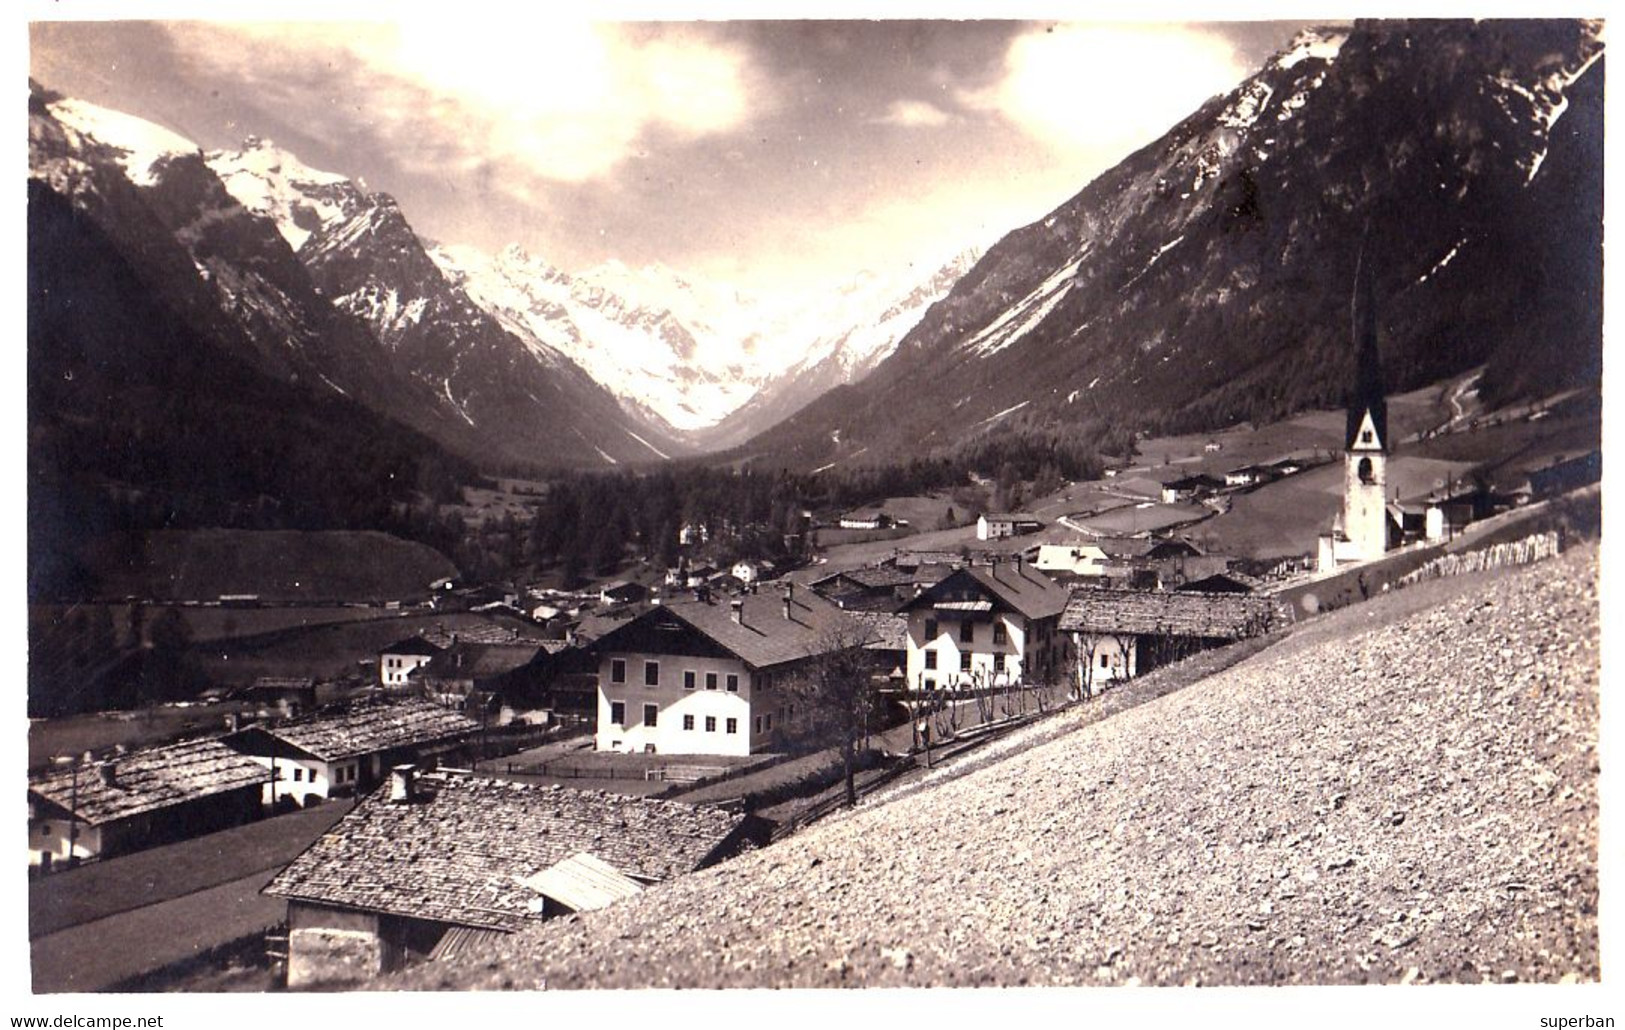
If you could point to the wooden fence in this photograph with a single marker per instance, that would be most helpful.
(1513, 552)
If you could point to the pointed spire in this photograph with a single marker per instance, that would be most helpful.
(1367, 395)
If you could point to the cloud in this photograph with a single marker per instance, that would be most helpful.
(1094, 88)
(913, 114)
(561, 101)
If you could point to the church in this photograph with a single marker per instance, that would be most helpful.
(1363, 530)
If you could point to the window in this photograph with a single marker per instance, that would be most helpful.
(617, 712)
(967, 631)
(688, 722)
(757, 724)
(964, 661)
(1104, 662)
(930, 629)
(1365, 436)
(710, 681)
(45, 828)
(768, 720)
(651, 674)
(733, 725)
(929, 684)
(1365, 471)
(710, 724)
(733, 683)
(617, 670)
(931, 659)
(998, 662)
(688, 679)
(298, 773)
(650, 714)
(1000, 634)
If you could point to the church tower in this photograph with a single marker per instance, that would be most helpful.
(1365, 447)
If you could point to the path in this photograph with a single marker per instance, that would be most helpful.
(99, 955)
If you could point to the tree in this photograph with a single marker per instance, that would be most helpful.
(837, 690)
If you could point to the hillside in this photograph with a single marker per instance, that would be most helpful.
(1404, 791)
(1205, 280)
(280, 566)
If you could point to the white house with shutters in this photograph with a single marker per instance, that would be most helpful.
(713, 676)
(987, 625)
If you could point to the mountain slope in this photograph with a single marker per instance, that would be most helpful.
(1205, 279)
(139, 416)
(517, 402)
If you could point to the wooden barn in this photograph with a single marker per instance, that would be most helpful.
(1119, 634)
(348, 751)
(429, 863)
(138, 800)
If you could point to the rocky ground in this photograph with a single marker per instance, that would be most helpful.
(1403, 791)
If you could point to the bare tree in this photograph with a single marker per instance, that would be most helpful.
(837, 689)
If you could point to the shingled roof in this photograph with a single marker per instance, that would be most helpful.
(147, 780)
(1019, 588)
(763, 637)
(477, 661)
(370, 727)
(1157, 613)
(459, 851)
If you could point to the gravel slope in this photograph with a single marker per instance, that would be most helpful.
(1405, 791)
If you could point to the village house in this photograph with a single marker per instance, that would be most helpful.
(347, 751)
(1249, 475)
(431, 863)
(879, 588)
(991, 625)
(1190, 488)
(1119, 634)
(711, 676)
(998, 526)
(1081, 559)
(463, 672)
(622, 592)
(397, 661)
(289, 694)
(560, 683)
(1221, 583)
(140, 799)
(751, 571)
(866, 518)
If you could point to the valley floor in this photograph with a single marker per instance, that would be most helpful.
(1404, 791)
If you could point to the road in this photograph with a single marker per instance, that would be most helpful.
(106, 922)
(101, 954)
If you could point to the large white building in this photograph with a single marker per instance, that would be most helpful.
(984, 626)
(711, 677)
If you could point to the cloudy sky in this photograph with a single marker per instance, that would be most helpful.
(778, 156)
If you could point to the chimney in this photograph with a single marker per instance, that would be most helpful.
(109, 773)
(1016, 559)
(789, 597)
(738, 607)
(232, 722)
(401, 785)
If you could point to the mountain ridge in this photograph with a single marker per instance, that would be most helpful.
(1202, 281)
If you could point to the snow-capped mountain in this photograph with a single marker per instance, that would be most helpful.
(850, 332)
(648, 337)
(703, 358)
(687, 360)
(1204, 280)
